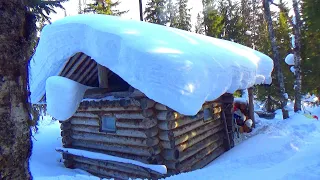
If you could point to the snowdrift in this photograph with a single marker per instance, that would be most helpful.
(177, 68)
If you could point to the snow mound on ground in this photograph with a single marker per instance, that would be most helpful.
(289, 59)
(177, 68)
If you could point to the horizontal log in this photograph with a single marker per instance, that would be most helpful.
(123, 167)
(144, 114)
(88, 121)
(118, 115)
(170, 154)
(168, 115)
(200, 137)
(108, 109)
(115, 139)
(168, 125)
(145, 123)
(85, 114)
(103, 173)
(146, 103)
(110, 102)
(65, 125)
(69, 164)
(156, 159)
(175, 154)
(99, 93)
(134, 150)
(67, 141)
(119, 131)
(147, 113)
(65, 133)
(173, 164)
(188, 163)
(201, 145)
(208, 159)
(188, 136)
(169, 135)
(161, 107)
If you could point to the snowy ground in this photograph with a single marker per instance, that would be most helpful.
(276, 149)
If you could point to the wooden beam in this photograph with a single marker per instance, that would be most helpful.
(103, 76)
(251, 106)
(98, 93)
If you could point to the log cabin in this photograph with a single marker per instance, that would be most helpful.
(118, 120)
(120, 124)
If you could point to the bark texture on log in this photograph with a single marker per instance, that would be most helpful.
(15, 48)
(189, 141)
(276, 60)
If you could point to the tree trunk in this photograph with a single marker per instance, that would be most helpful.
(15, 134)
(297, 57)
(276, 60)
(140, 9)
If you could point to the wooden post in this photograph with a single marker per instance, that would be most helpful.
(251, 106)
(103, 76)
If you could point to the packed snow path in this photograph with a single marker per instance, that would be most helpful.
(278, 149)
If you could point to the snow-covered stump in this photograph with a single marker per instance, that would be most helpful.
(191, 142)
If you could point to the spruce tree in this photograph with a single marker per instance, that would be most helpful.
(199, 25)
(156, 12)
(310, 50)
(104, 7)
(212, 18)
(184, 16)
(172, 12)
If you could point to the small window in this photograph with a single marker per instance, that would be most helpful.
(108, 124)
(207, 114)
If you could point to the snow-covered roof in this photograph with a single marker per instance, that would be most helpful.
(177, 68)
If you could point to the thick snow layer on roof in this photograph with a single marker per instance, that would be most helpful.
(177, 68)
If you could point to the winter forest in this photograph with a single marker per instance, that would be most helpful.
(68, 112)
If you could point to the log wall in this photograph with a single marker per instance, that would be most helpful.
(136, 135)
(148, 132)
(191, 142)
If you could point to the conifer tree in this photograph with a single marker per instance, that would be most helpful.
(156, 12)
(310, 50)
(172, 12)
(104, 7)
(184, 16)
(199, 25)
(212, 18)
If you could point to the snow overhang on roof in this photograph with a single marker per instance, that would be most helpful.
(177, 68)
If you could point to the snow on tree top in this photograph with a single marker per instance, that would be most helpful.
(174, 67)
